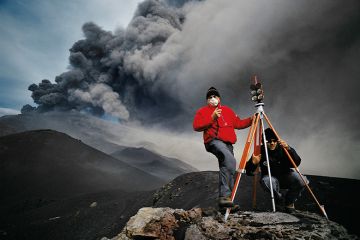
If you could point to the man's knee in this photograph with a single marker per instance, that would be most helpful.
(230, 160)
(224, 155)
(299, 181)
(265, 181)
(212, 148)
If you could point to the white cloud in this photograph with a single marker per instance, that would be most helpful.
(8, 111)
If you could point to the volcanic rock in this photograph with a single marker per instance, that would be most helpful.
(200, 190)
(172, 224)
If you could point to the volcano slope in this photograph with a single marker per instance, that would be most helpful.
(49, 180)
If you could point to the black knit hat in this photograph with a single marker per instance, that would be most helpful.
(212, 91)
(269, 133)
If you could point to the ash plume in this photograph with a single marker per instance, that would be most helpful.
(108, 72)
(159, 66)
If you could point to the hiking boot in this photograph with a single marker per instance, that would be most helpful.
(280, 201)
(234, 209)
(225, 202)
(290, 208)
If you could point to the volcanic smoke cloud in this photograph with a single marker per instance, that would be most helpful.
(156, 71)
(112, 72)
(159, 67)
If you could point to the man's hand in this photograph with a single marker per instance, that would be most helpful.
(216, 114)
(256, 159)
(283, 144)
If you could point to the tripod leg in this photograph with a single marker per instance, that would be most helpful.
(268, 164)
(257, 151)
(297, 170)
(245, 154)
(248, 143)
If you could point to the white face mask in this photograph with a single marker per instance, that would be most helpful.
(213, 101)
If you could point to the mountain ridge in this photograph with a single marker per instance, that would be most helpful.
(153, 163)
(74, 168)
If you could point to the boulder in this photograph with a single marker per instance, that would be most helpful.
(201, 224)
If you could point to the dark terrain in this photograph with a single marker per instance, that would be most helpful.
(54, 186)
(46, 162)
(88, 216)
(48, 180)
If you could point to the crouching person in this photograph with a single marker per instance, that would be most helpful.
(283, 176)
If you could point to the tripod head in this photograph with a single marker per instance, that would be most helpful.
(257, 93)
(256, 90)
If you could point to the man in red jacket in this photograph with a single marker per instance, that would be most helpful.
(218, 123)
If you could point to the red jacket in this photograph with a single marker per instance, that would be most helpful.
(222, 128)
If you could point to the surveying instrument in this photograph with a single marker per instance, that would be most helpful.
(257, 132)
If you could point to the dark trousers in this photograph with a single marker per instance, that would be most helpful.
(227, 165)
(291, 181)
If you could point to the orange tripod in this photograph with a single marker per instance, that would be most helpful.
(257, 125)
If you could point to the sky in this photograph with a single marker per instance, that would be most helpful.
(151, 64)
(36, 37)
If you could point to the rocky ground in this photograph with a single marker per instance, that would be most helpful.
(202, 224)
(199, 190)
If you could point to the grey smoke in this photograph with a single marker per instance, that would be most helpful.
(168, 56)
(101, 95)
(158, 68)
(108, 72)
